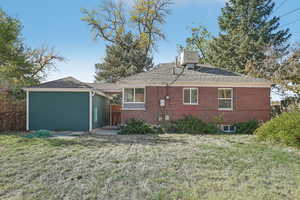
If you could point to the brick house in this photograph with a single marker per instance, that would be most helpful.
(168, 92)
(173, 90)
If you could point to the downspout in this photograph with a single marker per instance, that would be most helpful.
(166, 101)
(92, 93)
(27, 110)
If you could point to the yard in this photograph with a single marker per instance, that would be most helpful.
(147, 167)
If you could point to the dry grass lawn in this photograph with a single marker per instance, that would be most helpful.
(147, 167)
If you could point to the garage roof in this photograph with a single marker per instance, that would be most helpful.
(68, 82)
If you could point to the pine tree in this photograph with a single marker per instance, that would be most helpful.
(247, 30)
(123, 58)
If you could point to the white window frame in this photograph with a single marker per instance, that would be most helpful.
(228, 131)
(134, 88)
(190, 96)
(231, 98)
(95, 114)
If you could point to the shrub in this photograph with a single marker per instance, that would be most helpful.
(136, 126)
(39, 134)
(284, 128)
(246, 127)
(192, 125)
(158, 129)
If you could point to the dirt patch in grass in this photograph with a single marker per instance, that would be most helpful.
(147, 167)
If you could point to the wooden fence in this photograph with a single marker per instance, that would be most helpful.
(12, 115)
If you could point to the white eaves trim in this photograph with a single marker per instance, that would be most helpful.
(66, 90)
(112, 91)
(143, 109)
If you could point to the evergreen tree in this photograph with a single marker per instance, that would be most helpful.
(123, 58)
(247, 31)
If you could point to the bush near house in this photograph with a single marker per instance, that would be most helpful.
(284, 128)
(192, 125)
(137, 126)
(246, 127)
(188, 124)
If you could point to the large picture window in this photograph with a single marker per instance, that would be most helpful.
(190, 95)
(134, 95)
(225, 98)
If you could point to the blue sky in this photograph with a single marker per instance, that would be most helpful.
(57, 23)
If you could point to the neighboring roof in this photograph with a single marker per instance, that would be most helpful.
(68, 82)
(163, 74)
(106, 87)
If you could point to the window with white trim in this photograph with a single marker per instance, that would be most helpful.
(225, 98)
(190, 96)
(134, 95)
(95, 114)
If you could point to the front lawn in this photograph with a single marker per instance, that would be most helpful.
(147, 167)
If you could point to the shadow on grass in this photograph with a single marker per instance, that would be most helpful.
(13, 133)
(101, 141)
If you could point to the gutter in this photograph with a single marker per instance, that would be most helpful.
(198, 84)
(67, 90)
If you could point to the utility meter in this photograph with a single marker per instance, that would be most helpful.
(162, 103)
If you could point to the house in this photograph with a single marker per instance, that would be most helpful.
(168, 92)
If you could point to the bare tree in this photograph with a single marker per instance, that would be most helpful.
(43, 60)
(283, 70)
(111, 21)
(108, 22)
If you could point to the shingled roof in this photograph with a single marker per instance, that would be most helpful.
(72, 83)
(68, 82)
(167, 73)
(106, 87)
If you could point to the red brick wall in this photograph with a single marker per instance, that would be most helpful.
(249, 103)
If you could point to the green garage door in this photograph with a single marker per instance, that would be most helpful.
(59, 111)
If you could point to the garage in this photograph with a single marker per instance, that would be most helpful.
(66, 105)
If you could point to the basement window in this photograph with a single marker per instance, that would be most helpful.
(228, 129)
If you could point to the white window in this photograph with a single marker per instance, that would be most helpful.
(134, 95)
(228, 128)
(225, 98)
(190, 96)
(95, 114)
